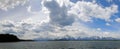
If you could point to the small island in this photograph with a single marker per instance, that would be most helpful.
(10, 38)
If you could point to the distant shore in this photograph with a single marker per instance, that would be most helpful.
(13, 38)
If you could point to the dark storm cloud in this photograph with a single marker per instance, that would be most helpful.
(58, 15)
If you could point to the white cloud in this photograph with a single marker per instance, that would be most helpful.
(8, 4)
(29, 9)
(117, 20)
(7, 23)
(108, 24)
(99, 29)
(42, 31)
(88, 10)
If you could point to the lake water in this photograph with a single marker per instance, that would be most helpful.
(62, 45)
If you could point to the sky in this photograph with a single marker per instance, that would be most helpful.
(56, 19)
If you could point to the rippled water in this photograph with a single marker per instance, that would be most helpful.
(62, 45)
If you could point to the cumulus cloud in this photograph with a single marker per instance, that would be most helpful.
(7, 23)
(58, 15)
(45, 31)
(117, 20)
(88, 10)
(108, 24)
(99, 29)
(8, 4)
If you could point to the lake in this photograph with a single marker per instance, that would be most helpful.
(62, 45)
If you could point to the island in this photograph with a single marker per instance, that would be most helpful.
(10, 38)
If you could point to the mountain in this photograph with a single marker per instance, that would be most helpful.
(69, 38)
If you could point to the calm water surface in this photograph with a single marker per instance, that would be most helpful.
(62, 45)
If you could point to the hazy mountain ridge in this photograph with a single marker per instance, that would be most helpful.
(69, 38)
